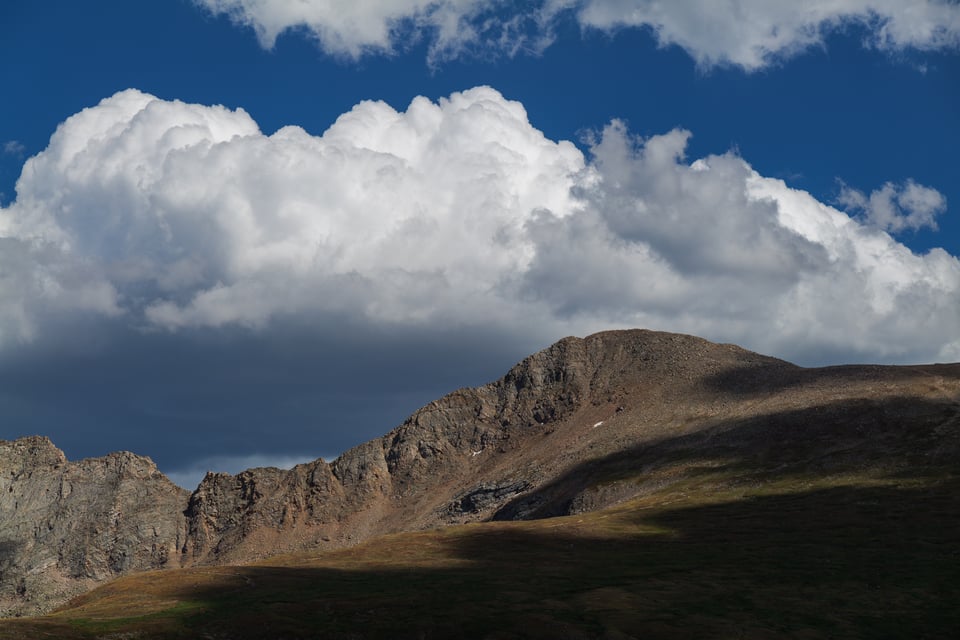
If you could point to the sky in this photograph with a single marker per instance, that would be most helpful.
(256, 232)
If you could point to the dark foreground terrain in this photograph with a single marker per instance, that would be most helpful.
(797, 557)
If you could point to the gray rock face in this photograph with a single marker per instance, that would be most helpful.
(486, 495)
(68, 525)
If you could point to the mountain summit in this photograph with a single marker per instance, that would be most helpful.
(580, 426)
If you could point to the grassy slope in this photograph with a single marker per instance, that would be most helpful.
(844, 556)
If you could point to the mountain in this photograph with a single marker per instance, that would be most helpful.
(67, 526)
(583, 426)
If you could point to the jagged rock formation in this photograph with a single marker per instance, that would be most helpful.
(578, 426)
(67, 526)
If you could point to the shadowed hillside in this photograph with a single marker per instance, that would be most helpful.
(847, 558)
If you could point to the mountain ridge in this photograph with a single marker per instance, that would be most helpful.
(581, 425)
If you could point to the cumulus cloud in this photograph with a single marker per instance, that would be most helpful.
(747, 33)
(456, 213)
(895, 209)
(714, 248)
(38, 280)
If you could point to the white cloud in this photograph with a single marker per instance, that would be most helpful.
(895, 209)
(716, 249)
(38, 280)
(755, 33)
(747, 33)
(455, 213)
(199, 219)
(353, 29)
(13, 148)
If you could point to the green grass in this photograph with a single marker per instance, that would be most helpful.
(800, 557)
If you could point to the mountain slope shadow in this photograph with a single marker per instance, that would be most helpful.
(840, 562)
(757, 378)
(902, 434)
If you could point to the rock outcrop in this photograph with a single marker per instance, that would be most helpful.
(67, 526)
(580, 425)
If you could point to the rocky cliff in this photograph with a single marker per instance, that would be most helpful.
(581, 425)
(67, 526)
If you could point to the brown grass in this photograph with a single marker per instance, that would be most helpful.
(831, 557)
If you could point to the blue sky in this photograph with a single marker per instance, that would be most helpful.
(172, 273)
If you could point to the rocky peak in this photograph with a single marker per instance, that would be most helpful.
(67, 525)
(30, 452)
(122, 465)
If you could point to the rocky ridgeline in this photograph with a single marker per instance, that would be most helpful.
(568, 429)
(472, 442)
(405, 480)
